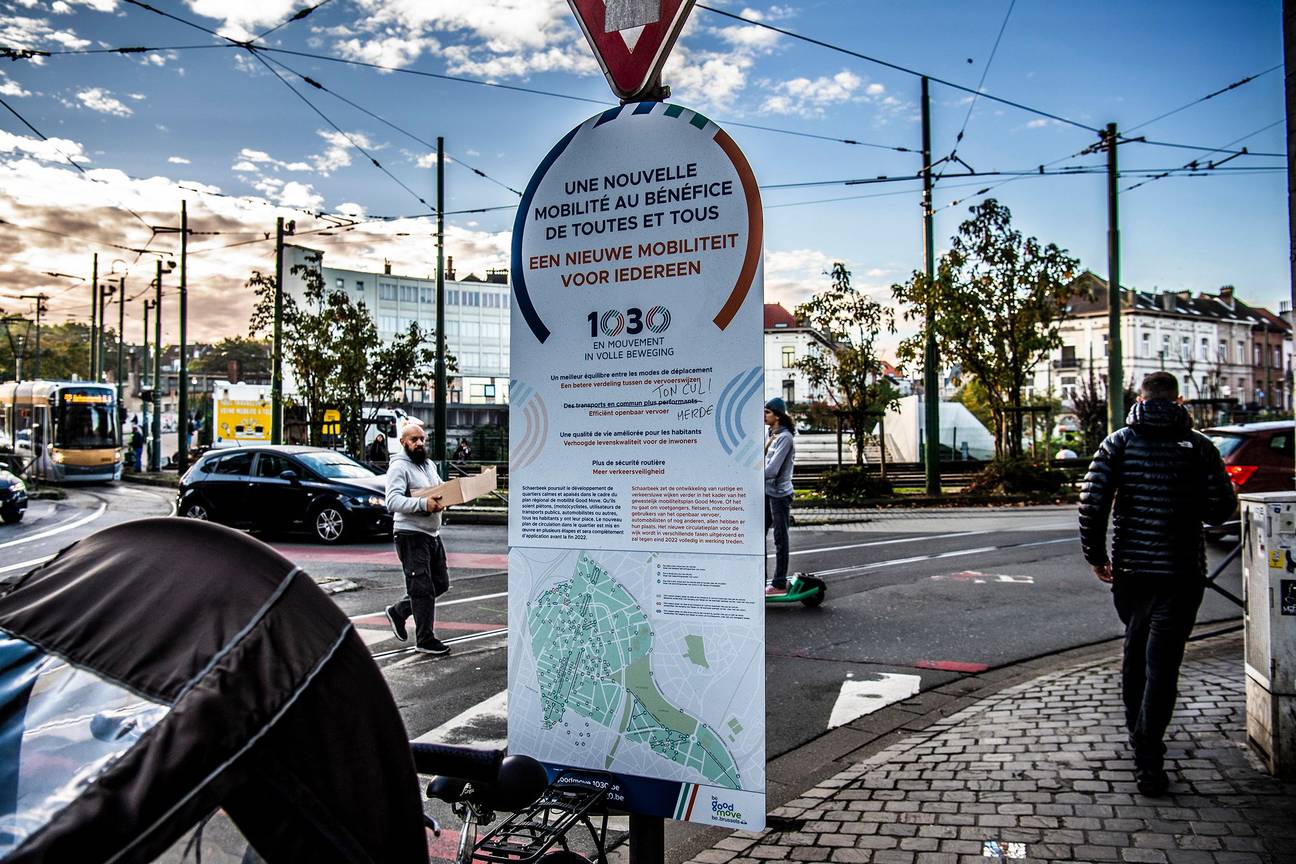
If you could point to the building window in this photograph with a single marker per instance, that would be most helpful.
(789, 356)
(386, 290)
(408, 294)
(1223, 351)
(387, 323)
(1255, 355)
(1165, 345)
(1104, 338)
(341, 283)
(451, 328)
(1241, 387)
(1277, 357)
(359, 284)
(427, 294)
(452, 298)
(1205, 348)
(1185, 347)
(789, 391)
(1241, 352)
(1146, 342)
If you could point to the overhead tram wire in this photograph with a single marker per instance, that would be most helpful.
(71, 161)
(961, 87)
(318, 86)
(897, 67)
(958, 139)
(296, 16)
(465, 80)
(255, 53)
(1235, 85)
(1213, 165)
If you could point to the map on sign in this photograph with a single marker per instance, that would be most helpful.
(592, 660)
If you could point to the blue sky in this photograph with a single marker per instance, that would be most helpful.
(215, 119)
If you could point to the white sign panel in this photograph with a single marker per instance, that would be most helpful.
(636, 549)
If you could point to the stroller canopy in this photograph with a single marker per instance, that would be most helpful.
(163, 668)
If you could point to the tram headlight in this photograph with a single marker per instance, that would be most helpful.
(58, 456)
(17, 485)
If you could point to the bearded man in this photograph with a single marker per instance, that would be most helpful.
(416, 524)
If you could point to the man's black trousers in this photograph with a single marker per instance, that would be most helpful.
(423, 559)
(1158, 619)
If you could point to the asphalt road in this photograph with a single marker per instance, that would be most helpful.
(915, 599)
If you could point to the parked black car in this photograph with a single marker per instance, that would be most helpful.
(284, 489)
(13, 497)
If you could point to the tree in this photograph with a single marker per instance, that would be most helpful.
(65, 351)
(851, 372)
(251, 355)
(331, 345)
(998, 300)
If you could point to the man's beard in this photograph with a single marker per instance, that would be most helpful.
(417, 454)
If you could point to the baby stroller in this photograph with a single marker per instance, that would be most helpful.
(162, 669)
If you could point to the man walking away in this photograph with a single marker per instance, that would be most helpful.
(1165, 480)
(416, 526)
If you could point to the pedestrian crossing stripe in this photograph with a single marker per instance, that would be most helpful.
(684, 804)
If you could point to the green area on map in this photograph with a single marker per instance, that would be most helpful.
(593, 648)
(696, 651)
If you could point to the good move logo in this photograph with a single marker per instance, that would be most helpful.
(724, 811)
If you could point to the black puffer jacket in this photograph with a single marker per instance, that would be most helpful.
(1166, 480)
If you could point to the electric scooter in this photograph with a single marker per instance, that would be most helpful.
(804, 588)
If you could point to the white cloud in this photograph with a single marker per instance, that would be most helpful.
(240, 19)
(350, 208)
(51, 150)
(98, 99)
(808, 97)
(10, 87)
(21, 32)
(178, 160)
(138, 97)
(746, 36)
(338, 154)
(244, 165)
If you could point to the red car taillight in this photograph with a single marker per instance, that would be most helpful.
(1240, 474)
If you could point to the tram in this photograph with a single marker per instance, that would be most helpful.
(64, 431)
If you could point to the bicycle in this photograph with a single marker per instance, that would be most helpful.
(477, 783)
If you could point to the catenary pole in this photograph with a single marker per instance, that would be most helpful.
(155, 451)
(439, 441)
(1115, 366)
(100, 346)
(931, 356)
(182, 459)
(1289, 64)
(121, 349)
(276, 367)
(94, 306)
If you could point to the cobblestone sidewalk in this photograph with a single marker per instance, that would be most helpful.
(1041, 772)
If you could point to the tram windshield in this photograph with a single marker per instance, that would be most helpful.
(86, 420)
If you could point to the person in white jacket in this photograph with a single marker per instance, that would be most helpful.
(780, 456)
(416, 528)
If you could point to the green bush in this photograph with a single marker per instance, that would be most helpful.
(853, 484)
(1017, 475)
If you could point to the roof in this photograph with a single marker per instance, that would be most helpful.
(1265, 426)
(777, 316)
(1090, 298)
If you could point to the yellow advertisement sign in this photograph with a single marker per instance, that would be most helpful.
(244, 420)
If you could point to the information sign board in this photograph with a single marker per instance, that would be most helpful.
(636, 549)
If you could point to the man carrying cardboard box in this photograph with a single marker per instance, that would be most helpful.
(416, 523)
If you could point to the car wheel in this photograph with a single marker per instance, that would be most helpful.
(11, 514)
(197, 510)
(329, 524)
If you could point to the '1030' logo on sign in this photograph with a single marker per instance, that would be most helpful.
(631, 322)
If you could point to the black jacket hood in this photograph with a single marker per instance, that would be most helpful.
(1159, 418)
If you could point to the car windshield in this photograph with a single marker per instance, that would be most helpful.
(334, 465)
(1226, 444)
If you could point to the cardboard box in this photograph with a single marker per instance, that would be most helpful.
(460, 490)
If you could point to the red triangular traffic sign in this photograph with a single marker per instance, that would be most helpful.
(631, 38)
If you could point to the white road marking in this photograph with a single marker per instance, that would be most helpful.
(860, 697)
(439, 604)
(25, 565)
(493, 709)
(58, 529)
(881, 543)
(957, 553)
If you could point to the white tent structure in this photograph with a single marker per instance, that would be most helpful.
(905, 427)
